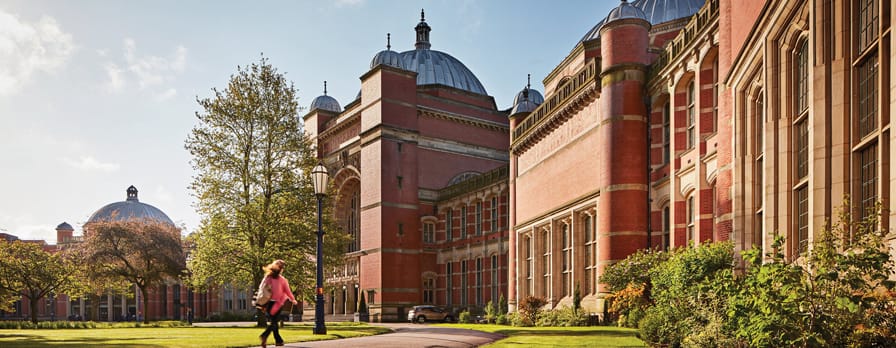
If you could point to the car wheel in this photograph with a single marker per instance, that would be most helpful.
(421, 319)
(449, 319)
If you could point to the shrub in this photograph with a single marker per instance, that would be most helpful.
(628, 305)
(502, 305)
(491, 312)
(530, 307)
(502, 319)
(465, 317)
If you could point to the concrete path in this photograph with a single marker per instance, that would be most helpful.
(408, 336)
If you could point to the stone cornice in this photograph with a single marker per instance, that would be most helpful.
(583, 88)
(340, 126)
(462, 119)
(701, 22)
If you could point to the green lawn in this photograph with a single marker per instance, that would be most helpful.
(193, 337)
(590, 336)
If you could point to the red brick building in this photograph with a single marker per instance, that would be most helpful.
(670, 123)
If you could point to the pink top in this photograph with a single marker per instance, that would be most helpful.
(280, 292)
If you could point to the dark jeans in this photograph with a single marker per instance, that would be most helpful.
(273, 321)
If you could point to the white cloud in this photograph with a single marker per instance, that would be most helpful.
(116, 79)
(167, 94)
(350, 3)
(148, 71)
(30, 47)
(89, 163)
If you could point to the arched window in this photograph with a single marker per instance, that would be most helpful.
(353, 220)
(691, 219)
(692, 116)
(590, 275)
(759, 166)
(801, 146)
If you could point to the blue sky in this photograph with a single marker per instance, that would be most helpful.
(96, 96)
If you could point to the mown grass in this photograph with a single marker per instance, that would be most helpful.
(188, 337)
(589, 336)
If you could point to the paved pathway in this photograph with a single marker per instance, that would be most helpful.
(408, 336)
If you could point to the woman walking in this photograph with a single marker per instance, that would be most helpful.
(280, 293)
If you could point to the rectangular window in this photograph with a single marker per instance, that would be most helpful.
(463, 283)
(802, 218)
(449, 286)
(868, 18)
(692, 114)
(666, 231)
(429, 286)
(867, 110)
(692, 217)
(495, 280)
(715, 95)
(530, 265)
(567, 261)
(478, 285)
(429, 233)
(868, 177)
(802, 78)
(478, 227)
(759, 112)
(463, 222)
(590, 251)
(546, 264)
(759, 197)
(494, 218)
(802, 149)
(448, 223)
(667, 133)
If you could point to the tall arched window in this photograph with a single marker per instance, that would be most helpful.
(692, 116)
(759, 166)
(590, 275)
(566, 266)
(801, 147)
(353, 219)
(691, 219)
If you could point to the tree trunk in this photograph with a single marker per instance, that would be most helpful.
(145, 305)
(33, 301)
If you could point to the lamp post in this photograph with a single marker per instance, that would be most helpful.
(319, 177)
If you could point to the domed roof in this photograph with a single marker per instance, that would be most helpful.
(655, 12)
(131, 208)
(435, 67)
(325, 102)
(527, 100)
(625, 11)
(387, 56)
(65, 227)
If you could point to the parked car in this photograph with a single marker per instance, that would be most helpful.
(424, 313)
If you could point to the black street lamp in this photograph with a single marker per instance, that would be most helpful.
(319, 177)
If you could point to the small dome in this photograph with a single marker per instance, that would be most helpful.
(655, 12)
(131, 208)
(65, 227)
(325, 102)
(625, 11)
(387, 56)
(527, 100)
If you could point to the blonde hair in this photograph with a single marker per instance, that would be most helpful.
(274, 268)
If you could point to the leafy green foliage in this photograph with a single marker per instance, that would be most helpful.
(502, 305)
(26, 269)
(633, 270)
(253, 188)
(465, 317)
(491, 312)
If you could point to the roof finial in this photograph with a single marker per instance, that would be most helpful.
(528, 81)
(526, 90)
(132, 193)
(422, 30)
(325, 87)
(388, 41)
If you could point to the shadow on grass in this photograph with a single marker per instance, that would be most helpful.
(24, 341)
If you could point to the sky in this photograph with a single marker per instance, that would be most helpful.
(96, 96)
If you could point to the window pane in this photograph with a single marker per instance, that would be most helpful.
(868, 194)
(867, 79)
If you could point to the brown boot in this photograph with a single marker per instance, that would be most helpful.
(264, 341)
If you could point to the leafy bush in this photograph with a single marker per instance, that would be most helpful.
(502, 319)
(529, 308)
(502, 305)
(633, 270)
(549, 318)
(465, 317)
(628, 305)
(491, 312)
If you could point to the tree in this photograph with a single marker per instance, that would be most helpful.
(252, 188)
(142, 252)
(26, 269)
